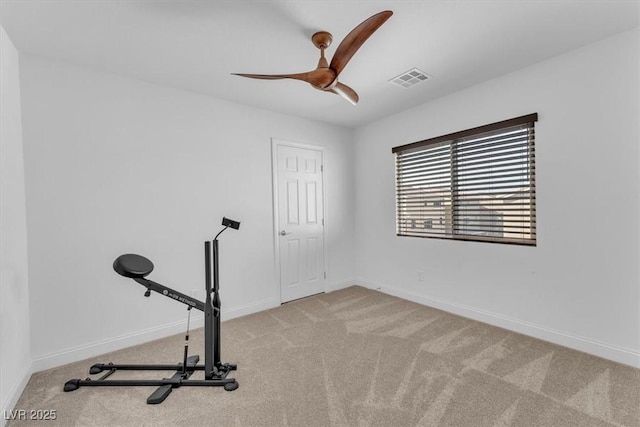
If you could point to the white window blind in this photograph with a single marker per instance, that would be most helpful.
(477, 184)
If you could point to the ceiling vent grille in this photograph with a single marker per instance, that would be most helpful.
(410, 78)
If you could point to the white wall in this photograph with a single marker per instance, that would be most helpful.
(115, 165)
(580, 285)
(15, 356)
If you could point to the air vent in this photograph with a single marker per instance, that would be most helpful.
(410, 78)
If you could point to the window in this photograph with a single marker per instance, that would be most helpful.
(477, 184)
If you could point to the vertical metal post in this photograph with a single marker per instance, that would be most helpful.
(216, 307)
(208, 316)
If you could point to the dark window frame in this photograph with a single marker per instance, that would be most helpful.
(458, 163)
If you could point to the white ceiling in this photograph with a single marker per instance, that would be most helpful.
(195, 45)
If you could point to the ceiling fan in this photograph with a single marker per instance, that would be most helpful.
(325, 76)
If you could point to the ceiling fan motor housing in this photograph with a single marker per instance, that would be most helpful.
(322, 39)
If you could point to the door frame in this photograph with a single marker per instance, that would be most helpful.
(275, 143)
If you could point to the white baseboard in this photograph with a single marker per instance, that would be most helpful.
(336, 286)
(97, 348)
(586, 345)
(251, 308)
(14, 395)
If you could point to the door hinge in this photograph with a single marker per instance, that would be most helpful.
(321, 168)
(325, 274)
(322, 221)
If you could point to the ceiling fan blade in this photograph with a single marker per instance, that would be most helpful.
(320, 77)
(346, 92)
(356, 38)
(298, 76)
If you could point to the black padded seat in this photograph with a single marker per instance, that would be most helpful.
(132, 266)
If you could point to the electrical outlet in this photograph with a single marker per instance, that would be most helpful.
(420, 276)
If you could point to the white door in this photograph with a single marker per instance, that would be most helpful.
(300, 222)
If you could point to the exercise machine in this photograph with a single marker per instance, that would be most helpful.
(137, 267)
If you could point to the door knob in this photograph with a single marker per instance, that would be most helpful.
(284, 233)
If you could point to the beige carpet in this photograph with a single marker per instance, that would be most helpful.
(357, 357)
